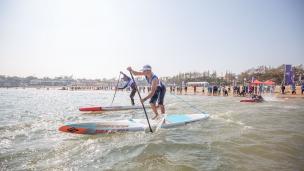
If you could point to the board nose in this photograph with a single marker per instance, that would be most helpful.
(73, 130)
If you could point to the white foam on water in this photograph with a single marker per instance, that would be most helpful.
(229, 118)
(292, 107)
(157, 122)
(248, 127)
(270, 98)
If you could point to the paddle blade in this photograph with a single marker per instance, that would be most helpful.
(157, 122)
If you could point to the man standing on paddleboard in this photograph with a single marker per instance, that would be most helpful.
(130, 83)
(158, 89)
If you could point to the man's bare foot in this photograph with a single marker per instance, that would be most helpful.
(155, 117)
(166, 122)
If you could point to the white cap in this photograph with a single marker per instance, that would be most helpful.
(146, 67)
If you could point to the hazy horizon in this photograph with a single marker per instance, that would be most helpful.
(211, 72)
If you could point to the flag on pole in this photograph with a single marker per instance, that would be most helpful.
(252, 78)
(292, 77)
(235, 79)
(288, 74)
(183, 83)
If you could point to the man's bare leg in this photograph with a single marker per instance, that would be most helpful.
(154, 110)
(162, 109)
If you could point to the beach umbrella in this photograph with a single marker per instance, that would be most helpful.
(256, 82)
(269, 82)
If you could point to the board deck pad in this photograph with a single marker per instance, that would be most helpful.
(178, 118)
(131, 125)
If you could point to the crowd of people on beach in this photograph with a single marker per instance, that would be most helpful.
(218, 90)
(292, 88)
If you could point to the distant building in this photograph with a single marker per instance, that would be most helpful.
(70, 82)
(43, 82)
(4, 83)
(108, 83)
(90, 83)
(199, 84)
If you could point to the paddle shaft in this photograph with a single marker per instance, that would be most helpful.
(116, 88)
(141, 103)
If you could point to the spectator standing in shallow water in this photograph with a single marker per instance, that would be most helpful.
(255, 89)
(283, 89)
(219, 90)
(238, 92)
(250, 89)
(214, 90)
(225, 92)
(259, 90)
(235, 91)
(181, 89)
(209, 90)
(293, 88)
(271, 88)
(194, 88)
(302, 88)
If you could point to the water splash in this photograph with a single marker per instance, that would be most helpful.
(156, 123)
(291, 107)
(230, 117)
(161, 120)
(270, 98)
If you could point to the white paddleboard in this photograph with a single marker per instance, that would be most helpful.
(106, 127)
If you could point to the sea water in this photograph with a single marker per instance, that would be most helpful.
(237, 136)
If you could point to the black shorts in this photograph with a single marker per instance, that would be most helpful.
(160, 95)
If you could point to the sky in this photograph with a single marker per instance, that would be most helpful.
(98, 39)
